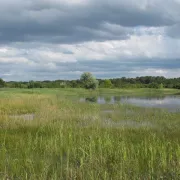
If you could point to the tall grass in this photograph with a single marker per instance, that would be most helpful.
(68, 140)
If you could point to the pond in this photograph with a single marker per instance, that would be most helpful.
(171, 103)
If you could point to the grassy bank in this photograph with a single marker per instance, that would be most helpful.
(70, 140)
(79, 91)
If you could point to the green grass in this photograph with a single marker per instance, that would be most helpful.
(79, 91)
(69, 140)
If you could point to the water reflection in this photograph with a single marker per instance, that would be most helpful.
(117, 98)
(169, 102)
(108, 99)
(166, 102)
(91, 99)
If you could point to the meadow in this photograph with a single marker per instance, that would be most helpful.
(67, 139)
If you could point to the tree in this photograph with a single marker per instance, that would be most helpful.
(177, 86)
(154, 85)
(88, 81)
(63, 85)
(31, 85)
(2, 83)
(107, 83)
(161, 86)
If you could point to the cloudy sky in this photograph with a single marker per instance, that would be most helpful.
(60, 39)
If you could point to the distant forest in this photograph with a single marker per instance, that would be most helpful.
(138, 82)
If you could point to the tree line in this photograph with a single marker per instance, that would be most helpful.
(89, 82)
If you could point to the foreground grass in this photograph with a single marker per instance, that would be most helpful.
(69, 140)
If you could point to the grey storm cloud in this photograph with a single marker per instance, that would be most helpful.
(174, 31)
(60, 39)
(56, 21)
(102, 68)
(119, 66)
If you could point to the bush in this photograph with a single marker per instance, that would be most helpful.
(88, 81)
(2, 83)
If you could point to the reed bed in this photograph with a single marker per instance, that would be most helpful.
(68, 140)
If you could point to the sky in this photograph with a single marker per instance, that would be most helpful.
(61, 39)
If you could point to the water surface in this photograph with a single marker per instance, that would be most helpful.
(171, 103)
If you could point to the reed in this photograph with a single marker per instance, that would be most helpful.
(71, 140)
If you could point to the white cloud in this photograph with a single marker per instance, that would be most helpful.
(52, 39)
(13, 60)
(150, 46)
(157, 72)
